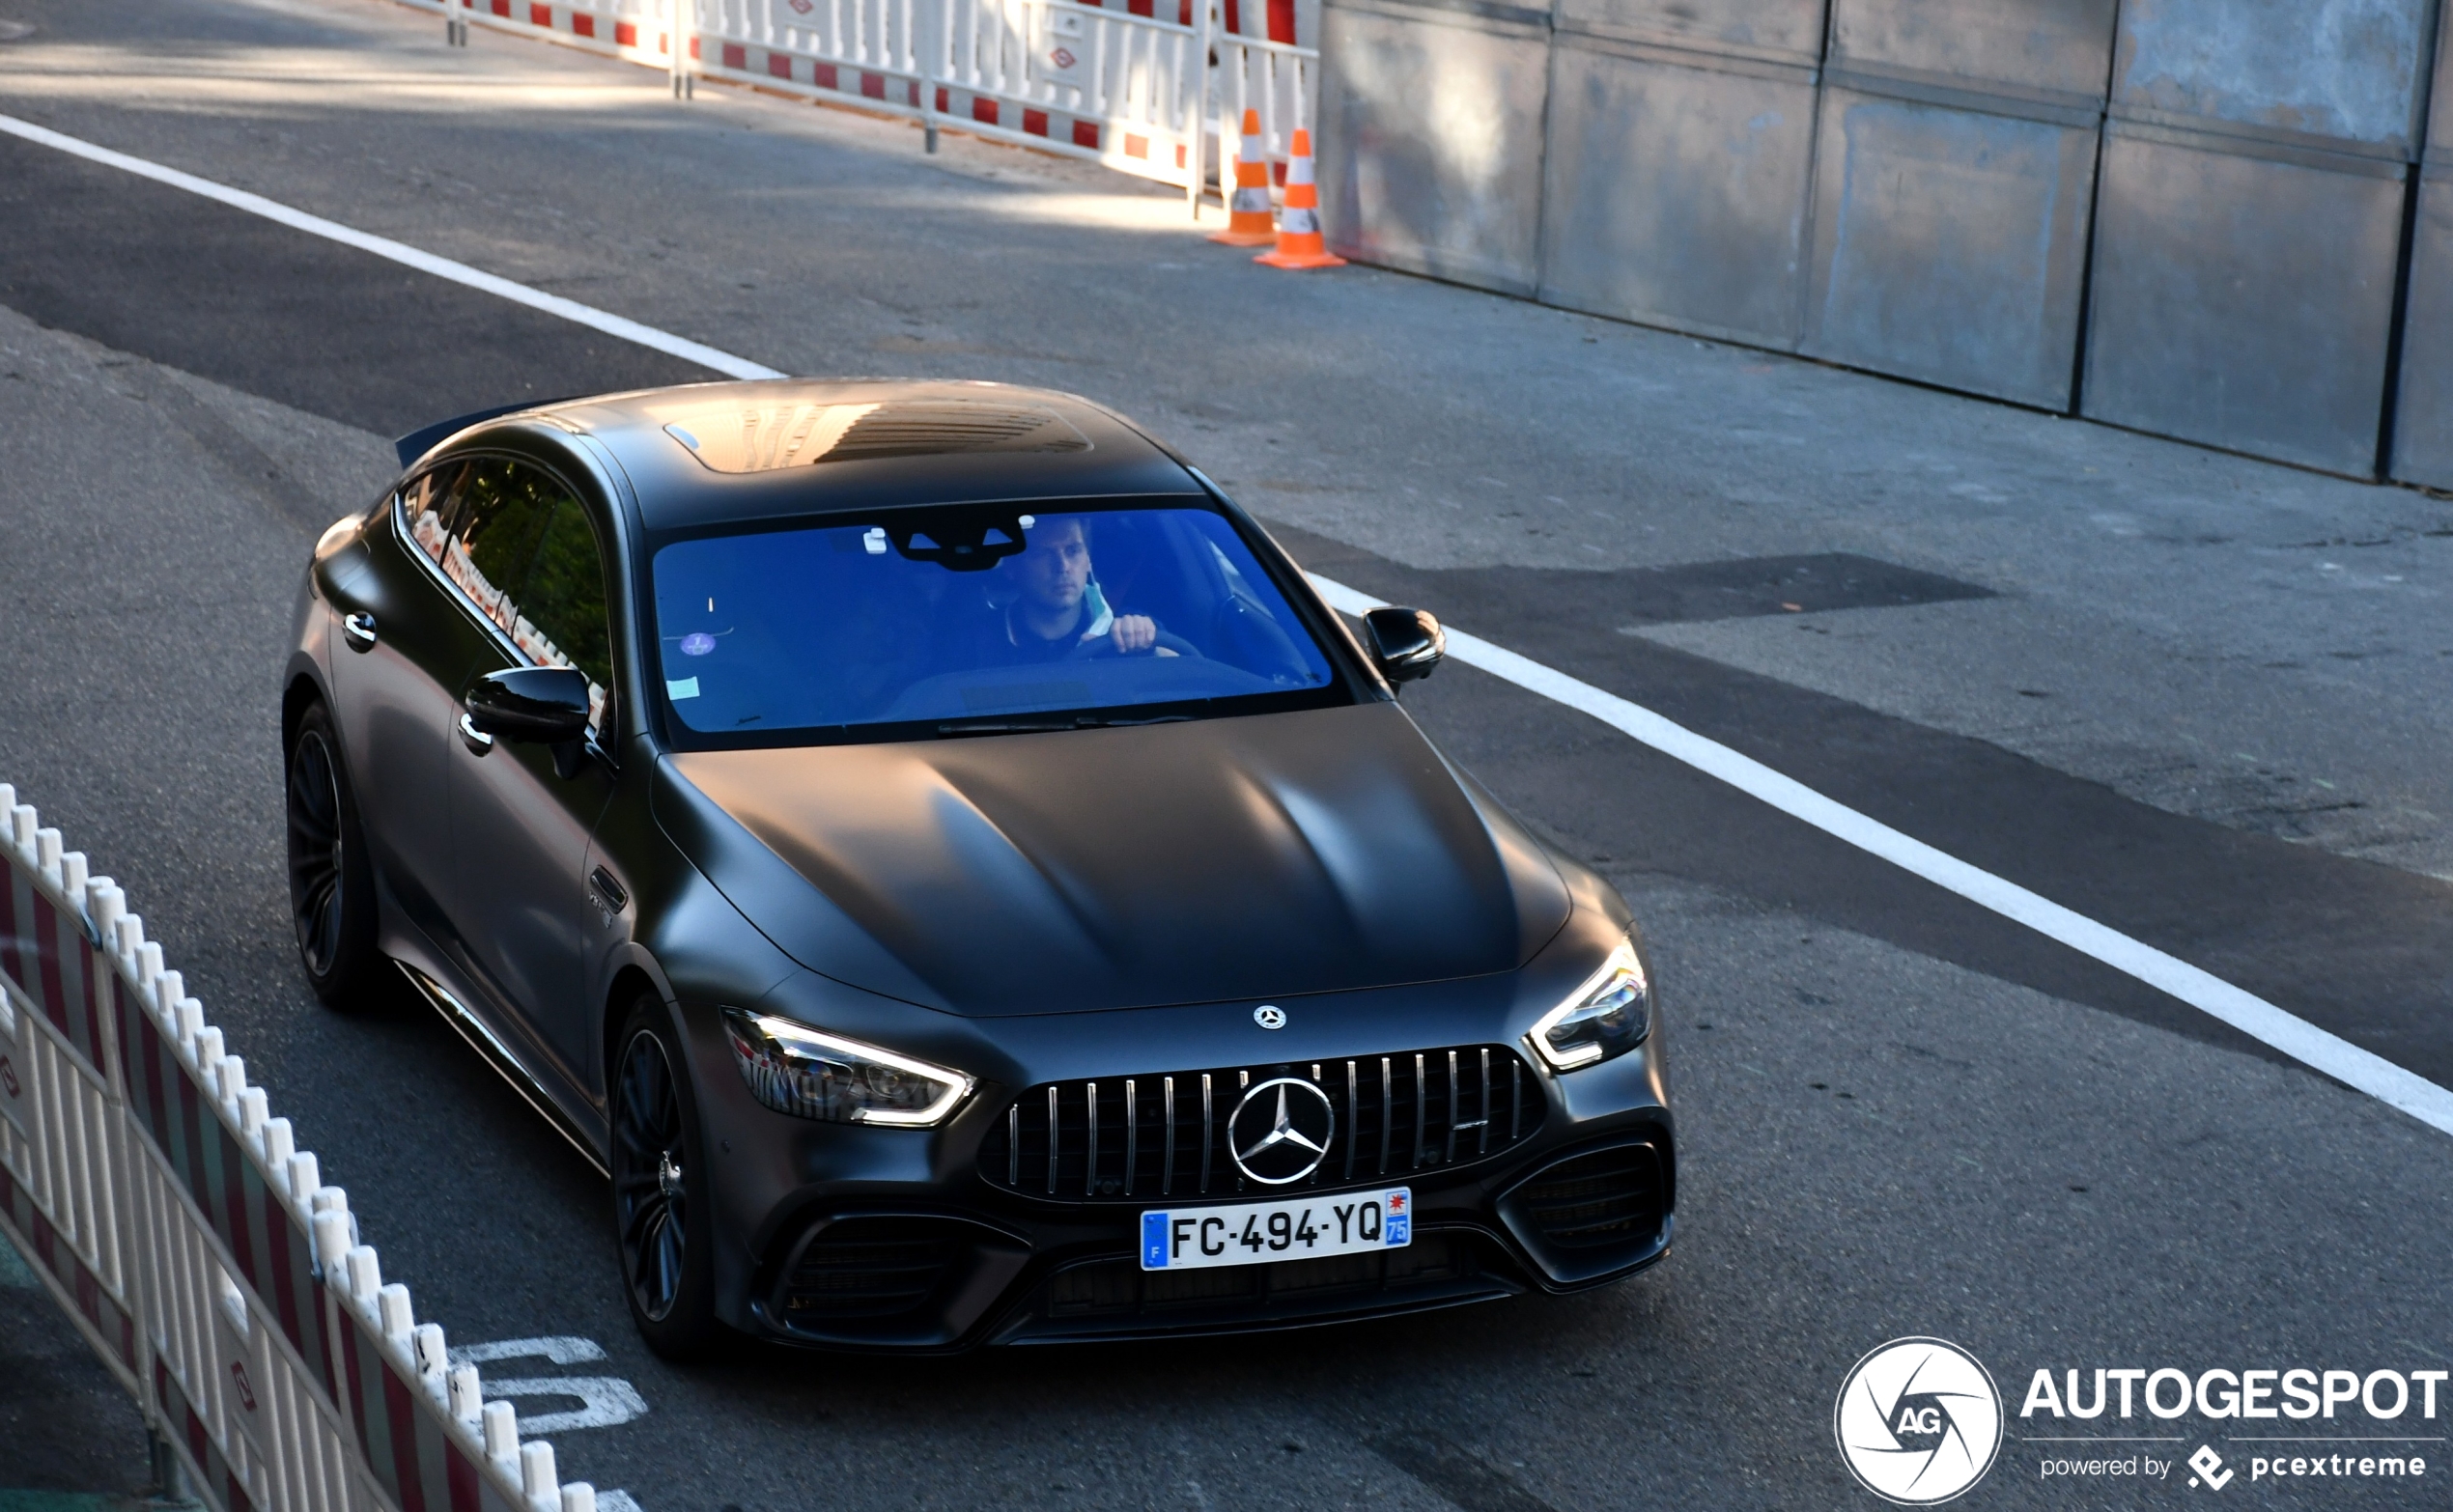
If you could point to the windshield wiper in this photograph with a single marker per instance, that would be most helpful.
(1002, 726)
(955, 727)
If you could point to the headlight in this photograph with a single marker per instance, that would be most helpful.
(1607, 1016)
(800, 1070)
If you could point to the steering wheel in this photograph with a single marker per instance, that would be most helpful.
(1105, 646)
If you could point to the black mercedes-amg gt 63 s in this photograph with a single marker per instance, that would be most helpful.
(956, 876)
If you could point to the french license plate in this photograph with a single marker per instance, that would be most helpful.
(1296, 1228)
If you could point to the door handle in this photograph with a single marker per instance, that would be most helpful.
(358, 630)
(478, 740)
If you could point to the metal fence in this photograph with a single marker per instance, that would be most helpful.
(2223, 220)
(198, 1249)
(1152, 87)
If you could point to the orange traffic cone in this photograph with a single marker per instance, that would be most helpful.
(1299, 243)
(1247, 222)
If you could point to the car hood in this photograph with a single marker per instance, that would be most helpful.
(1254, 857)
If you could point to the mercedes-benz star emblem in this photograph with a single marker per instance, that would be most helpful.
(1269, 1016)
(1279, 1133)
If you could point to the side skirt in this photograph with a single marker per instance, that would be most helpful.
(497, 1054)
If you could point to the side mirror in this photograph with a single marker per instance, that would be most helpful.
(1406, 644)
(545, 706)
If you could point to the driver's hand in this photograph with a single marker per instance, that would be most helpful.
(1134, 633)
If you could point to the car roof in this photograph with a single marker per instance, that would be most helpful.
(708, 455)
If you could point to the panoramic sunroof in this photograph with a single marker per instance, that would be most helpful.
(768, 437)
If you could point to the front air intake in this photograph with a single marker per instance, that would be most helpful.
(917, 1280)
(1614, 1199)
(867, 1268)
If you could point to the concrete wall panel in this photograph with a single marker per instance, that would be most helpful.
(1677, 194)
(2243, 301)
(2059, 46)
(1780, 30)
(2439, 143)
(2349, 69)
(1431, 139)
(1948, 246)
(2423, 416)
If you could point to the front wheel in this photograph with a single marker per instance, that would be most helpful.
(661, 1213)
(331, 881)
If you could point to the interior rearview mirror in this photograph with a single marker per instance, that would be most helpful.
(1406, 644)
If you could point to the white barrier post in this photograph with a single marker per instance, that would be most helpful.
(1141, 98)
(197, 1248)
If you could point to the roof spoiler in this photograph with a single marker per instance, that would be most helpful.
(417, 443)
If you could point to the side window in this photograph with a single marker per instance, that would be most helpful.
(562, 621)
(421, 504)
(516, 544)
(481, 527)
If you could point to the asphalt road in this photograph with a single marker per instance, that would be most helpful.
(1900, 1114)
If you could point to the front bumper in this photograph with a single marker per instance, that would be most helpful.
(1583, 1203)
(940, 1281)
(989, 1231)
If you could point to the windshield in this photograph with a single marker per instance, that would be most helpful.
(966, 622)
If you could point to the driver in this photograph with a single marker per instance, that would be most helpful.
(1059, 611)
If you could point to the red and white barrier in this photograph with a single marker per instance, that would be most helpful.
(1143, 86)
(198, 1249)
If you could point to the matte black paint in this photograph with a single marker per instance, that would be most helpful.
(1027, 908)
(1272, 856)
(677, 494)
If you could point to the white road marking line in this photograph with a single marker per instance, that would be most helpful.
(560, 1349)
(605, 1402)
(2251, 1015)
(572, 310)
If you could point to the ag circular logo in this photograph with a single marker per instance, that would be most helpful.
(1279, 1132)
(1269, 1016)
(1919, 1420)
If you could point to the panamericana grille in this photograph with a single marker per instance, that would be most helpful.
(1131, 1138)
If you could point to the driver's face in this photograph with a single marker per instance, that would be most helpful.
(1057, 568)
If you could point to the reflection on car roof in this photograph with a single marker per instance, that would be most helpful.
(715, 454)
(754, 437)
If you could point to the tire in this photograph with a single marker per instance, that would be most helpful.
(331, 881)
(661, 1214)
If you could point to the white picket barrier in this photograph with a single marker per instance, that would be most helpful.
(199, 1251)
(1149, 94)
(1278, 80)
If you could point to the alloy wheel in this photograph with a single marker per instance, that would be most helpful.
(315, 851)
(649, 1191)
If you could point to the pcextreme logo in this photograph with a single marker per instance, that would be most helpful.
(1918, 1421)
